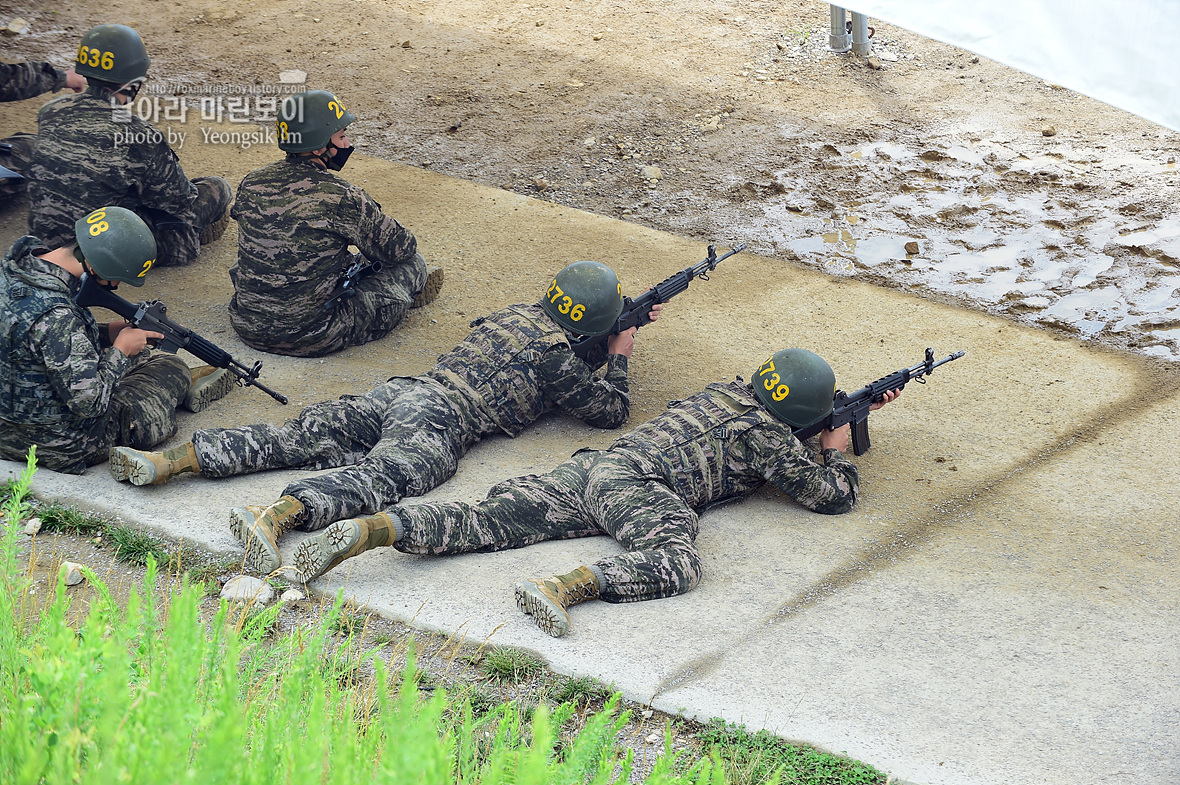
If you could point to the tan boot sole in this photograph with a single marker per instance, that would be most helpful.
(319, 554)
(208, 389)
(213, 231)
(262, 558)
(430, 290)
(546, 614)
(128, 464)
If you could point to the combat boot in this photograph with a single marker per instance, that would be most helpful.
(212, 232)
(430, 290)
(343, 540)
(546, 599)
(209, 384)
(152, 468)
(259, 528)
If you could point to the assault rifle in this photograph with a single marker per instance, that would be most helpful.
(635, 312)
(152, 316)
(346, 288)
(854, 407)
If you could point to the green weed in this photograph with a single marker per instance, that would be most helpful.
(505, 665)
(581, 691)
(754, 758)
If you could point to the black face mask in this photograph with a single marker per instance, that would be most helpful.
(336, 161)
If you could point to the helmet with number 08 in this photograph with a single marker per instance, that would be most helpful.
(112, 53)
(585, 298)
(307, 121)
(116, 244)
(797, 386)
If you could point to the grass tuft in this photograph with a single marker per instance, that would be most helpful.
(754, 758)
(135, 547)
(581, 692)
(505, 665)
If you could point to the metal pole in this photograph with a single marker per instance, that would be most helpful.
(839, 40)
(860, 35)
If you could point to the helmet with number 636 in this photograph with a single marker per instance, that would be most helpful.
(797, 386)
(585, 298)
(117, 244)
(112, 53)
(307, 121)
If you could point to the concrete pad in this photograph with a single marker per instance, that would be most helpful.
(1000, 607)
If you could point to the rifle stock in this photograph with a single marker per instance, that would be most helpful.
(152, 316)
(853, 408)
(635, 312)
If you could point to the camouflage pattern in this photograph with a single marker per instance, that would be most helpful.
(406, 436)
(90, 155)
(636, 493)
(27, 80)
(295, 223)
(62, 386)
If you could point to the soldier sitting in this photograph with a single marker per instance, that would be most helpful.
(296, 220)
(72, 387)
(406, 436)
(92, 150)
(19, 81)
(646, 492)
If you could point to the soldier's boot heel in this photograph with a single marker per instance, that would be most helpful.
(430, 290)
(209, 384)
(215, 230)
(152, 468)
(259, 528)
(548, 599)
(343, 540)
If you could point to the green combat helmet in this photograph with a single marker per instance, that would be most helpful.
(112, 53)
(307, 121)
(116, 244)
(585, 298)
(797, 386)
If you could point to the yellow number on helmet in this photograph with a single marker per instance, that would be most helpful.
(96, 216)
(337, 108)
(94, 56)
(82, 50)
(771, 381)
(146, 266)
(108, 61)
(98, 228)
(782, 392)
(766, 366)
(565, 305)
(577, 312)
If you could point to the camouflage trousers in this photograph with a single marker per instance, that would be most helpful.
(179, 242)
(592, 493)
(402, 438)
(16, 159)
(142, 413)
(381, 302)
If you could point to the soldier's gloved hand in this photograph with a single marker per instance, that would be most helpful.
(132, 340)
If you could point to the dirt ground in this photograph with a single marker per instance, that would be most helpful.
(728, 121)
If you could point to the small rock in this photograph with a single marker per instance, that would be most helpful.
(1048, 130)
(32, 526)
(652, 738)
(407, 45)
(292, 76)
(247, 588)
(540, 183)
(780, 45)
(590, 141)
(714, 123)
(647, 714)
(597, 36)
(292, 595)
(18, 26)
(873, 62)
(911, 247)
(651, 173)
(540, 23)
(73, 572)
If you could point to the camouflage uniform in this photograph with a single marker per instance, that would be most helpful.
(406, 436)
(295, 223)
(90, 155)
(62, 386)
(28, 80)
(645, 491)
(17, 82)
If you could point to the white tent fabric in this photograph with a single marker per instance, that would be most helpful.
(1122, 52)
